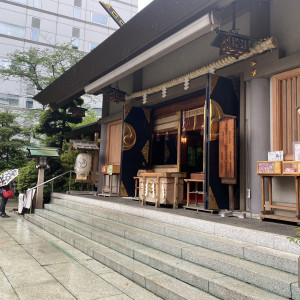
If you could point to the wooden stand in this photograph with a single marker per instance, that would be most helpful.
(268, 209)
(196, 192)
(136, 188)
(109, 189)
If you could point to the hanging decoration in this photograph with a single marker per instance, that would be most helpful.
(183, 133)
(259, 47)
(164, 92)
(153, 190)
(186, 83)
(144, 98)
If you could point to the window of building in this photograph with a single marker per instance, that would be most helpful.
(75, 43)
(10, 100)
(35, 23)
(99, 19)
(78, 3)
(75, 32)
(20, 1)
(29, 103)
(286, 98)
(13, 30)
(77, 11)
(34, 34)
(37, 3)
(4, 63)
(30, 89)
(98, 111)
(93, 46)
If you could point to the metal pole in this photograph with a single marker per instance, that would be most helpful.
(207, 147)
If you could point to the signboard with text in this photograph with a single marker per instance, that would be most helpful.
(227, 148)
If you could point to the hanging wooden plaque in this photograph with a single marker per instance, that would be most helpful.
(227, 148)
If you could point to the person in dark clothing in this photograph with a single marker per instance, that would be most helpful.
(3, 203)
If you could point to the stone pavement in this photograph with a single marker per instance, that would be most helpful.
(36, 265)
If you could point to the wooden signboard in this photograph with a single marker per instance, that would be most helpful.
(227, 149)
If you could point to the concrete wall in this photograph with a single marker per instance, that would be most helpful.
(285, 25)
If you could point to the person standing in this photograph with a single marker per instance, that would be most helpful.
(3, 203)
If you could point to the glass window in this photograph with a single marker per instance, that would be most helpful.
(75, 43)
(34, 34)
(98, 111)
(99, 19)
(37, 3)
(20, 1)
(77, 12)
(12, 30)
(29, 103)
(93, 46)
(4, 63)
(10, 100)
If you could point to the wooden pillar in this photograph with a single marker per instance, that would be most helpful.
(262, 195)
(231, 197)
(297, 197)
(40, 189)
(95, 161)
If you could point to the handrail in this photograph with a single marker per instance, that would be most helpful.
(52, 179)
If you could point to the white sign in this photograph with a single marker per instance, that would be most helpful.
(275, 155)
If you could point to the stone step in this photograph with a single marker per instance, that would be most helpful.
(213, 283)
(191, 261)
(255, 237)
(110, 221)
(126, 286)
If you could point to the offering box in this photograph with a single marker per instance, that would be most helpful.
(291, 167)
(269, 167)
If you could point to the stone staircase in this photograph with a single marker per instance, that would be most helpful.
(175, 257)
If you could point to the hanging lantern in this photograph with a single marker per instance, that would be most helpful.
(183, 132)
(157, 137)
(184, 136)
(233, 44)
(167, 136)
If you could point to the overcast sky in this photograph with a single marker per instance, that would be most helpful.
(143, 3)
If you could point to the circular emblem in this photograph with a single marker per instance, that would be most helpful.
(129, 138)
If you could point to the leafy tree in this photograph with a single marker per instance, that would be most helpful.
(38, 66)
(12, 141)
(27, 177)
